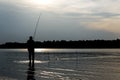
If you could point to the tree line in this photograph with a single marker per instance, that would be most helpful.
(67, 44)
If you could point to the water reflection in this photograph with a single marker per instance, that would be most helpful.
(74, 64)
(45, 50)
(27, 61)
(31, 71)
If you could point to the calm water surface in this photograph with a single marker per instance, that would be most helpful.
(61, 64)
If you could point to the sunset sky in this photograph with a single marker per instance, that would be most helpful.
(60, 19)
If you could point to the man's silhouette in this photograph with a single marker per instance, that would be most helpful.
(30, 45)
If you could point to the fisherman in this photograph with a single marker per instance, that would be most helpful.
(30, 46)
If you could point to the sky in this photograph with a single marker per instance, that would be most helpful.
(60, 20)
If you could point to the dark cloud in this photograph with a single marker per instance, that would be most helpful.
(101, 14)
(106, 14)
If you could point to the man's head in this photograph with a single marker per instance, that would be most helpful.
(31, 38)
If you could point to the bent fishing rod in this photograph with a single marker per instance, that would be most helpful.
(37, 23)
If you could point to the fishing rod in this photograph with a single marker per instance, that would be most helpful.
(37, 23)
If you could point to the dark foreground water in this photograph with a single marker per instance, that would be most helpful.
(61, 64)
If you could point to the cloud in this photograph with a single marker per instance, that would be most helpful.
(105, 8)
(108, 24)
(61, 19)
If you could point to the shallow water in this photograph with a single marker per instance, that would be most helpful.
(61, 64)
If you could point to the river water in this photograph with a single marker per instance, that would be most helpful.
(61, 64)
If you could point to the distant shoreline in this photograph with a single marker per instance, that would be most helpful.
(80, 44)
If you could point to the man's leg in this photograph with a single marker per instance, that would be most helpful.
(33, 57)
(30, 59)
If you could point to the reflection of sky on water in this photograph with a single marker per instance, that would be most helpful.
(76, 50)
(27, 61)
(46, 50)
(85, 65)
